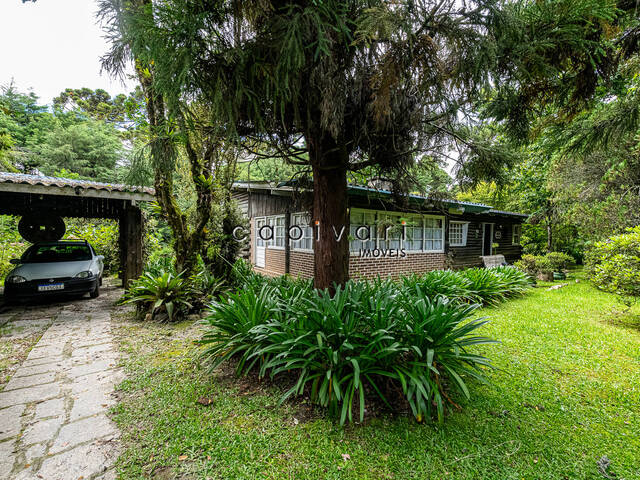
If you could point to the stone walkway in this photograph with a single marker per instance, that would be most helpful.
(53, 422)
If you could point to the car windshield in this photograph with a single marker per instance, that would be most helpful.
(56, 253)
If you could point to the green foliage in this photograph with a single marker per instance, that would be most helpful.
(163, 297)
(533, 265)
(493, 285)
(449, 284)
(614, 265)
(33, 139)
(102, 235)
(369, 339)
(90, 149)
(10, 249)
(121, 110)
(560, 261)
(205, 286)
(564, 378)
(161, 285)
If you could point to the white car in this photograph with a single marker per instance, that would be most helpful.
(62, 267)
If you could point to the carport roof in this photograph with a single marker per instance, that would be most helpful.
(40, 184)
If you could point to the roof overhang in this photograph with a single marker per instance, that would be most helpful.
(42, 185)
(454, 207)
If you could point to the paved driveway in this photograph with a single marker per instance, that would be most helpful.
(53, 422)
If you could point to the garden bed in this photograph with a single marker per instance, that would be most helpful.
(561, 400)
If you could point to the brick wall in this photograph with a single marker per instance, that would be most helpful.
(394, 267)
(302, 264)
(273, 263)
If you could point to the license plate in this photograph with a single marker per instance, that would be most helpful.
(50, 287)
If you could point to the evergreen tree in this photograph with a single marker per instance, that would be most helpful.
(341, 86)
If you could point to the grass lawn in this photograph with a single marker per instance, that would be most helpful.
(566, 394)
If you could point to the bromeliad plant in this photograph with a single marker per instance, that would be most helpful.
(163, 297)
(369, 340)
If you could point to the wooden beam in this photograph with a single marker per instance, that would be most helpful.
(131, 244)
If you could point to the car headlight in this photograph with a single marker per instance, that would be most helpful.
(85, 274)
(16, 279)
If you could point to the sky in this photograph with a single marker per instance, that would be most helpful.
(51, 45)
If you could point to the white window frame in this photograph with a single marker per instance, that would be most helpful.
(379, 236)
(412, 217)
(514, 227)
(464, 233)
(374, 229)
(279, 231)
(306, 220)
(271, 220)
(424, 234)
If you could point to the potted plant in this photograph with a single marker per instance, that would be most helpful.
(559, 263)
(536, 266)
(544, 269)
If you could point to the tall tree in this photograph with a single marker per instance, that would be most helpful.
(123, 111)
(91, 149)
(172, 131)
(341, 86)
(337, 86)
(36, 140)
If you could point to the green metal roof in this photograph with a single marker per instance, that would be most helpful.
(359, 190)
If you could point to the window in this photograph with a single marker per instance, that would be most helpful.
(389, 231)
(276, 232)
(384, 230)
(516, 234)
(61, 252)
(279, 231)
(458, 234)
(414, 233)
(362, 225)
(306, 240)
(433, 234)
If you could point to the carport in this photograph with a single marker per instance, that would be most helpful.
(42, 197)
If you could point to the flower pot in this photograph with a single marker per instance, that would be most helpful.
(559, 276)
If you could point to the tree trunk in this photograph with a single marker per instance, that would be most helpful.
(549, 237)
(330, 219)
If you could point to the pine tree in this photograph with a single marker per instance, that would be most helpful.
(341, 86)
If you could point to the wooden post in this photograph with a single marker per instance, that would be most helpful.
(131, 244)
(122, 248)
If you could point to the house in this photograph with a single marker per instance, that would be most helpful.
(426, 234)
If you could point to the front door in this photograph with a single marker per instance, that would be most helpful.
(487, 239)
(260, 243)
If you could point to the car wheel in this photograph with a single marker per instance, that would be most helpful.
(95, 293)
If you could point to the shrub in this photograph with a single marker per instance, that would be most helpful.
(614, 265)
(243, 275)
(204, 286)
(535, 265)
(529, 264)
(377, 338)
(447, 283)
(559, 261)
(163, 297)
(344, 346)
